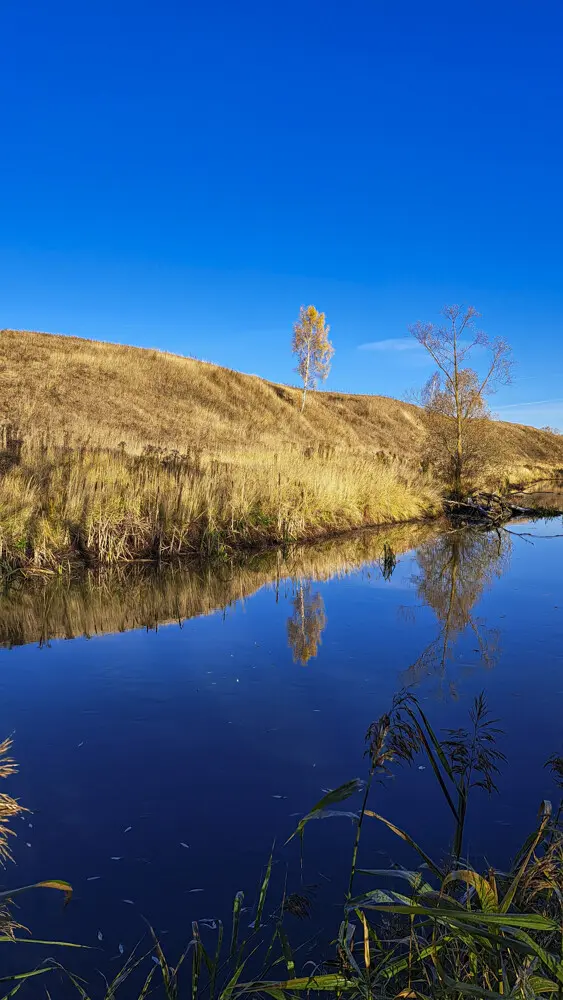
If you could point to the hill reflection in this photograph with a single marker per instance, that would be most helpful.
(38, 609)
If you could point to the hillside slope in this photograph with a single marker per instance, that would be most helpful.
(106, 394)
(116, 454)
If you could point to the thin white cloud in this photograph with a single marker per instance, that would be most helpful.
(534, 402)
(393, 344)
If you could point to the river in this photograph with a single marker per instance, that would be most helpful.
(171, 725)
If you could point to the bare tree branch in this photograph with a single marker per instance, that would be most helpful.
(455, 395)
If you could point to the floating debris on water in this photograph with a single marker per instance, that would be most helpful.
(127, 828)
(100, 936)
(81, 744)
(422, 767)
(195, 890)
(182, 844)
(155, 960)
(279, 796)
(129, 901)
(209, 922)
(30, 825)
(121, 949)
(28, 845)
(93, 878)
(116, 859)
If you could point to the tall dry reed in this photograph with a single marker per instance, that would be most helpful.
(58, 504)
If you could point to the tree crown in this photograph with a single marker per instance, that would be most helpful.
(312, 346)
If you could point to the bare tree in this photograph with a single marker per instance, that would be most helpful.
(312, 348)
(455, 395)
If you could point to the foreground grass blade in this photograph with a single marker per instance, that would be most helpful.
(196, 960)
(435, 742)
(532, 921)
(467, 989)
(146, 985)
(378, 896)
(62, 944)
(541, 985)
(237, 906)
(390, 970)
(404, 836)
(287, 953)
(25, 975)
(263, 893)
(230, 988)
(551, 962)
(331, 983)
(531, 844)
(486, 893)
(432, 760)
(50, 884)
(339, 794)
(216, 961)
(415, 879)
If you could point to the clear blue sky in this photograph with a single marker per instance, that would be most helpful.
(184, 175)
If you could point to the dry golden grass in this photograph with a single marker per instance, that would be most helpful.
(131, 453)
(103, 394)
(55, 503)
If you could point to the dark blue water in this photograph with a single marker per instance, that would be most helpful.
(219, 732)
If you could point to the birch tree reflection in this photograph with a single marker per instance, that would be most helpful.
(307, 623)
(454, 570)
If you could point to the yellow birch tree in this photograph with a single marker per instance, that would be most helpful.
(312, 348)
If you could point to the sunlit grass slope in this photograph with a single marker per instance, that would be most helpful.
(113, 453)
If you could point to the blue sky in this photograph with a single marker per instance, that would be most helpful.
(185, 175)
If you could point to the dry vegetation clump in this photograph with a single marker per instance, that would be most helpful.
(105, 507)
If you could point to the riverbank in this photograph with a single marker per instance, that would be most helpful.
(63, 507)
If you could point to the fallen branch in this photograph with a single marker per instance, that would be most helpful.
(492, 509)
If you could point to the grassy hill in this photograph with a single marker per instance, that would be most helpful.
(105, 394)
(114, 452)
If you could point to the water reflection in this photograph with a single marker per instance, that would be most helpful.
(307, 623)
(454, 570)
(41, 608)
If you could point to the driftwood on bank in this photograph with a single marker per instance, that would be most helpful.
(492, 509)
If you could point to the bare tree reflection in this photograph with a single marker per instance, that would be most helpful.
(307, 623)
(454, 570)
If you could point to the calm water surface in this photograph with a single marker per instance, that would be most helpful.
(209, 708)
